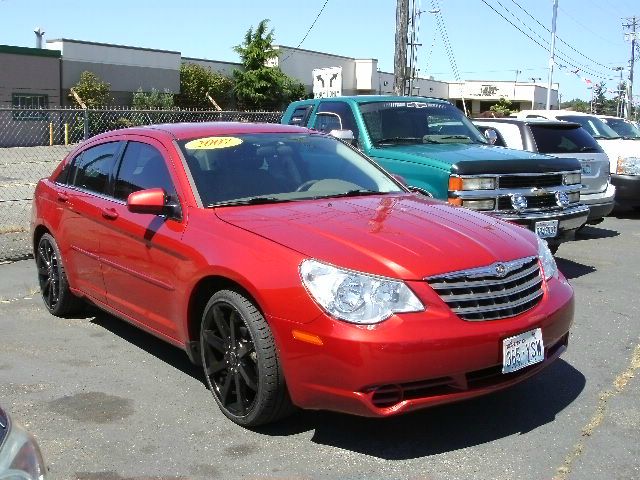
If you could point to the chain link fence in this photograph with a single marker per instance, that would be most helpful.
(32, 143)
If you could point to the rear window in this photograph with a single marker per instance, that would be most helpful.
(551, 139)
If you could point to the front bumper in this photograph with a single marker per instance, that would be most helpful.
(413, 361)
(600, 204)
(627, 190)
(569, 220)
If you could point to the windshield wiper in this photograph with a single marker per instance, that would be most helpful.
(588, 149)
(352, 193)
(399, 140)
(247, 201)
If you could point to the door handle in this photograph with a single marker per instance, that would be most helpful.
(109, 213)
(62, 197)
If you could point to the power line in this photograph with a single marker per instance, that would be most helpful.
(562, 57)
(309, 30)
(585, 27)
(561, 40)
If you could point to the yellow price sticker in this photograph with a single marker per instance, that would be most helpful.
(211, 143)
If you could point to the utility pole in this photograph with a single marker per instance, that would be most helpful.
(400, 57)
(620, 92)
(633, 23)
(552, 52)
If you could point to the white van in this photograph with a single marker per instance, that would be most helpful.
(623, 153)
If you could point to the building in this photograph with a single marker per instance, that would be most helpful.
(48, 74)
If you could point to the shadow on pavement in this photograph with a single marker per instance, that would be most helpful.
(517, 410)
(628, 213)
(590, 232)
(158, 348)
(571, 269)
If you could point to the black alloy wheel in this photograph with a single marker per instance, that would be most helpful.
(240, 361)
(52, 278)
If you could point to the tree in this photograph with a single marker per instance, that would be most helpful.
(258, 85)
(503, 108)
(598, 103)
(196, 81)
(577, 105)
(152, 100)
(92, 90)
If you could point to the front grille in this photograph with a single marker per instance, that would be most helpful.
(529, 181)
(501, 290)
(533, 202)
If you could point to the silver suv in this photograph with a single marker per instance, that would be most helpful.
(560, 139)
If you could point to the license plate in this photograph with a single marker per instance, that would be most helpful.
(547, 228)
(586, 169)
(522, 350)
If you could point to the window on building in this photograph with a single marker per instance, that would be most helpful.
(29, 106)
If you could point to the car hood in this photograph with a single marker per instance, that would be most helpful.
(451, 153)
(619, 147)
(402, 236)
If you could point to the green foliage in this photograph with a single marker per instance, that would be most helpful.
(92, 90)
(577, 105)
(504, 107)
(153, 100)
(196, 81)
(260, 86)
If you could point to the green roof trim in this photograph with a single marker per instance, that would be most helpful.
(36, 52)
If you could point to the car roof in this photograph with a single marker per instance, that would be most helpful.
(529, 121)
(553, 113)
(373, 98)
(181, 131)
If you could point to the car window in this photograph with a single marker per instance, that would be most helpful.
(142, 167)
(300, 115)
(623, 127)
(550, 139)
(593, 125)
(282, 167)
(344, 116)
(92, 168)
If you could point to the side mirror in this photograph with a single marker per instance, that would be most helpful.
(344, 135)
(491, 135)
(151, 201)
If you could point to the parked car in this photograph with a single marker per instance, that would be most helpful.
(625, 128)
(20, 457)
(566, 140)
(438, 151)
(295, 270)
(624, 154)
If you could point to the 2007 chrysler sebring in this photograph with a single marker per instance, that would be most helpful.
(295, 270)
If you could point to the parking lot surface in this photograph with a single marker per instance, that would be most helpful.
(109, 402)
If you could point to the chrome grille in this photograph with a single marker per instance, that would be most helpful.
(533, 202)
(501, 290)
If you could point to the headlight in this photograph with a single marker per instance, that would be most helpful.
(489, 204)
(549, 267)
(356, 297)
(20, 457)
(475, 183)
(628, 166)
(572, 178)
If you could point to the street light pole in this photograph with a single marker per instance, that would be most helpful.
(552, 52)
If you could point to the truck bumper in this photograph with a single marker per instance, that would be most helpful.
(627, 190)
(600, 204)
(569, 220)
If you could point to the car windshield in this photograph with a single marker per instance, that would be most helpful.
(623, 128)
(596, 127)
(279, 167)
(415, 122)
(558, 139)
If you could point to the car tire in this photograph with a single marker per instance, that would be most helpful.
(240, 361)
(52, 278)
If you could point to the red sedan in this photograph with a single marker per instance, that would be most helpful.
(296, 271)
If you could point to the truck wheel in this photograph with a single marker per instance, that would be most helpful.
(241, 362)
(52, 278)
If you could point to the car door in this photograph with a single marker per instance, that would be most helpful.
(82, 195)
(140, 253)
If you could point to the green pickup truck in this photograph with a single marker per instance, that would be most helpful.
(439, 152)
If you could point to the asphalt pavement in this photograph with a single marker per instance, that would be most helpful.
(109, 402)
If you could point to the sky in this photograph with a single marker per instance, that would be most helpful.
(483, 46)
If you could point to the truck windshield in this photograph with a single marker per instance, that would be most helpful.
(596, 127)
(624, 128)
(403, 122)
